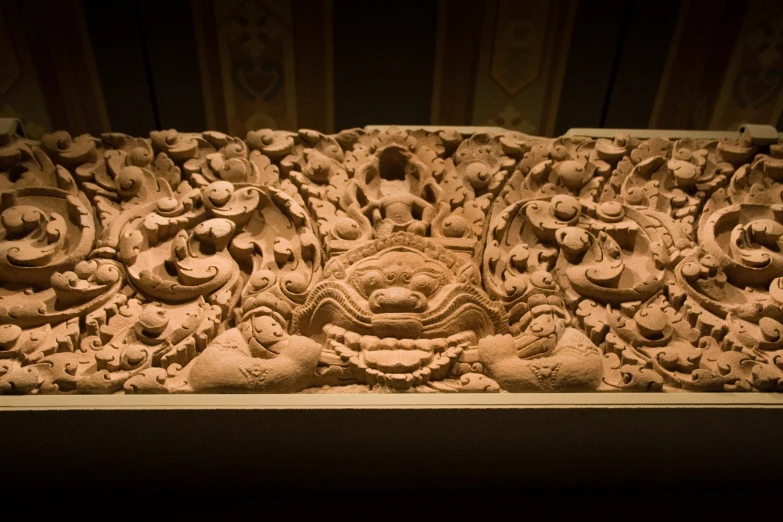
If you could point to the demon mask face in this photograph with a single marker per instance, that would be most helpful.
(395, 313)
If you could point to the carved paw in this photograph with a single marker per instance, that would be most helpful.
(226, 366)
(575, 366)
(495, 348)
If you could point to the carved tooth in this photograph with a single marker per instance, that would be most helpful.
(424, 345)
(371, 358)
(338, 333)
(406, 344)
(372, 376)
(410, 360)
(360, 374)
(471, 339)
(422, 376)
(352, 340)
(425, 357)
(334, 332)
(383, 379)
(330, 358)
(453, 352)
(357, 362)
(344, 352)
(438, 345)
(328, 330)
(400, 381)
(387, 343)
(369, 342)
(440, 368)
(359, 369)
(387, 360)
(453, 340)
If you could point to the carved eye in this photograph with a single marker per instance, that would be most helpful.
(372, 280)
(425, 283)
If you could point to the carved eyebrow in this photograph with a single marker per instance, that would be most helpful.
(367, 268)
(428, 270)
(432, 271)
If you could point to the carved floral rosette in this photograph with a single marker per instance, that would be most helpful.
(380, 261)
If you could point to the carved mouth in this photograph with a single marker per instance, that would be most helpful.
(397, 350)
(407, 326)
(398, 363)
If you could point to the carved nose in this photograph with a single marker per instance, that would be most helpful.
(397, 300)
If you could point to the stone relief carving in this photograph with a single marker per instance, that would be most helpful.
(389, 261)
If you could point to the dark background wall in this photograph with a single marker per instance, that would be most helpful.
(536, 66)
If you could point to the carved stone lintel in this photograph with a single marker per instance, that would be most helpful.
(385, 260)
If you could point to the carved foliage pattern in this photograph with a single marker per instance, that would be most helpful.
(389, 261)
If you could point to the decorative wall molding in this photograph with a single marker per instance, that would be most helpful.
(724, 67)
(389, 260)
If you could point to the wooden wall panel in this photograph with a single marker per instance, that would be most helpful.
(456, 61)
(595, 40)
(640, 60)
(254, 63)
(313, 58)
(21, 93)
(725, 67)
(384, 63)
(209, 64)
(122, 65)
(698, 58)
(752, 89)
(169, 39)
(62, 55)
(265, 63)
(524, 50)
(539, 67)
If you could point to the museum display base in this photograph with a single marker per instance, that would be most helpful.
(608, 444)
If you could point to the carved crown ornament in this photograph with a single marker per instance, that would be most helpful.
(389, 260)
